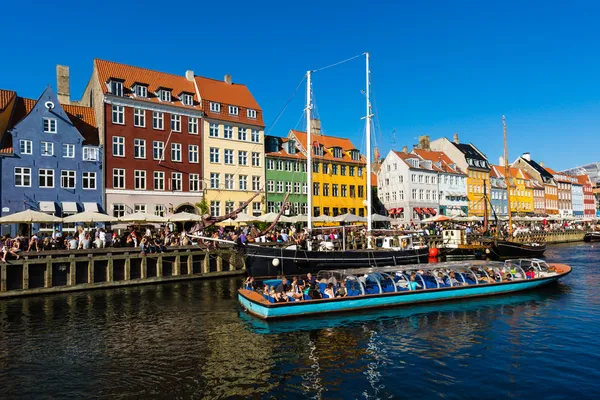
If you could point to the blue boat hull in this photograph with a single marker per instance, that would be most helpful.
(295, 309)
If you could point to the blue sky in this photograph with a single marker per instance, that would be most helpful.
(438, 68)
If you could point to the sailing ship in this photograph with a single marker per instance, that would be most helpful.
(505, 248)
(264, 260)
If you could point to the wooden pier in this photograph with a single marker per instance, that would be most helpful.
(64, 271)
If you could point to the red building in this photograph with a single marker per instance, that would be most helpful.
(150, 123)
(589, 200)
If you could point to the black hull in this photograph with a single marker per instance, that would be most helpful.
(259, 259)
(507, 249)
(592, 237)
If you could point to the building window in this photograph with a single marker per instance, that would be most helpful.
(360, 171)
(233, 110)
(194, 182)
(255, 207)
(193, 153)
(255, 136)
(243, 157)
(118, 210)
(242, 134)
(288, 187)
(165, 95)
(214, 180)
(139, 208)
(176, 152)
(46, 178)
(361, 191)
(228, 156)
(68, 151)
(67, 179)
(297, 187)
(326, 189)
(158, 121)
(279, 186)
(158, 150)
(337, 152)
(159, 180)
(116, 88)
(215, 208)
(214, 155)
(243, 182)
(118, 178)
(229, 181)
(343, 170)
(279, 165)
(344, 191)
(251, 113)
(325, 168)
(160, 210)
(228, 132)
(334, 169)
(213, 130)
(271, 186)
(305, 188)
(315, 189)
(118, 147)
(22, 177)
(26, 146)
(256, 183)
(255, 159)
(90, 154)
(88, 180)
(315, 167)
(228, 207)
(192, 125)
(139, 148)
(47, 148)
(176, 181)
(215, 107)
(141, 91)
(139, 117)
(139, 179)
(118, 115)
(187, 99)
(335, 190)
(352, 191)
(176, 123)
(49, 125)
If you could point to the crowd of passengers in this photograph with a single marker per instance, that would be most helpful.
(309, 288)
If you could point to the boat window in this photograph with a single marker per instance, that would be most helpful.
(354, 286)
(387, 283)
(372, 285)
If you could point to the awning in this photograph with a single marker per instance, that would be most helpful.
(418, 210)
(47, 206)
(392, 211)
(93, 207)
(69, 207)
(399, 210)
(432, 211)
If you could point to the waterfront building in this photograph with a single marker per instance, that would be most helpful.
(452, 183)
(521, 192)
(408, 186)
(151, 127)
(539, 173)
(233, 148)
(565, 192)
(577, 199)
(285, 173)
(589, 200)
(50, 159)
(498, 194)
(539, 198)
(338, 173)
(474, 162)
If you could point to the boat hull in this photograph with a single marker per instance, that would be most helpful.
(260, 259)
(255, 304)
(592, 237)
(507, 249)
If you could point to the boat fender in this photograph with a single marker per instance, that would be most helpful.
(487, 251)
(275, 262)
(404, 243)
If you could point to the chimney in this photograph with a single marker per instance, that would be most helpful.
(542, 164)
(315, 126)
(405, 149)
(62, 84)
(501, 161)
(189, 75)
(227, 79)
(424, 143)
(527, 156)
(456, 138)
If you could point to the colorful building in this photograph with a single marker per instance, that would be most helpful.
(539, 198)
(338, 173)
(589, 200)
(498, 194)
(285, 174)
(539, 173)
(151, 126)
(521, 192)
(469, 159)
(577, 199)
(564, 185)
(234, 152)
(50, 160)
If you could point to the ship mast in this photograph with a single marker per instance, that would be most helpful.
(507, 177)
(309, 150)
(368, 143)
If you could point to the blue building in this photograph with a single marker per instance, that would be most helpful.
(50, 159)
(498, 195)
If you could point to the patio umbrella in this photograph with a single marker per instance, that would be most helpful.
(185, 217)
(349, 218)
(241, 217)
(29, 217)
(269, 217)
(380, 218)
(299, 218)
(89, 216)
(437, 218)
(140, 217)
(323, 218)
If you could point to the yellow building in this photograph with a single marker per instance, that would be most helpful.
(521, 192)
(339, 174)
(233, 146)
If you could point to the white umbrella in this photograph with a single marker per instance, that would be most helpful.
(380, 218)
(28, 217)
(299, 218)
(349, 218)
(140, 217)
(241, 217)
(323, 218)
(89, 216)
(185, 217)
(270, 217)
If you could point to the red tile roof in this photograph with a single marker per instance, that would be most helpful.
(328, 142)
(154, 79)
(6, 97)
(373, 179)
(408, 156)
(284, 154)
(583, 179)
(441, 157)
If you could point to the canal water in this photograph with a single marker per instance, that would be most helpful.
(191, 340)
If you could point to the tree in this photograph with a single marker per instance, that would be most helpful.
(203, 207)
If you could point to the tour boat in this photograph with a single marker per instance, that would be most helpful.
(592, 237)
(369, 288)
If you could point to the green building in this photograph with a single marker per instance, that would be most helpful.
(285, 173)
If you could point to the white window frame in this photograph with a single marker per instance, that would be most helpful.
(228, 156)
(118, 210)
(139, 147)
(158, 120)
(139, 117)
(158, 146)
(213, 130)
(176, 122)
(139, 179)
(118, 141)
(194, 182)
(50, 125)
(46, 176)
(255, 136)
(116, 88)
(70, 150)
(255, 183)
(215, 208)
(255, 159)
(242, 134)
(158, 177)
(118, 114)
(141, 91)
(176, 151)
(165, 95)
(251, 113)
(91, 154)
(68, 174)
(243, 182)
(234, 110)
(242, 157)
(46, 149)
(228, 131)
(193, 154)
(22, 173)
(176, 177)
(229, 185)
(215, 178)
(26, 146)
(215, 107)
(214, 155)
(192, 125)
(187, 99)
(119, 173)
(87, 178)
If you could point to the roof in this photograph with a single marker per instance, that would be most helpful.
(560, 177)
(407, 156)
(6, 97)
(543, 172)
(583, 179)
(154, 79)
(470, 151)
(373, 179)
(442, 158)
(284, 154)
(329, 142)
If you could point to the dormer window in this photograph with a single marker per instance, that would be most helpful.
(292, 147)
(337, 152)
(140, 90)
(164, 94)
(251, 114)
(233, 110)
(187, 99)
(318, 149)
(355, 154)
(215, 107)
(116, 87)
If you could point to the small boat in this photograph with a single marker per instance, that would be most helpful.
(508, 249)
(369, 288)
(592, 237)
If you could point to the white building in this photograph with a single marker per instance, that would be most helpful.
(408, 187)
(577, 200)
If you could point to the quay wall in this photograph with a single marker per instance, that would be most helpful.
(61, 271)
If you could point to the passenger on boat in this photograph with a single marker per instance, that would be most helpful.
(342, 291)
(440, 278)
(329, 291)
(530, 273)
(249, 283)
(311, 279)
(297, 289)
(413, 282)
(454, 281)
